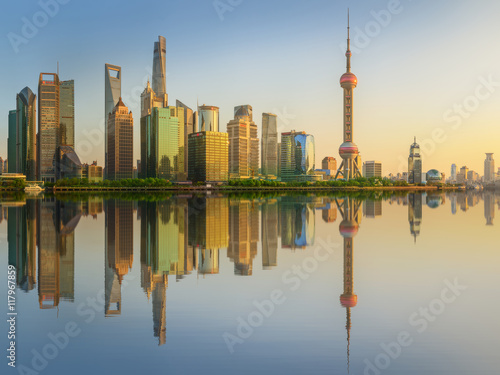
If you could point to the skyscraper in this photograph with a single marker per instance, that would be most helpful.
(112, 92)
(348, 151)
(372, 169)
(67, 113)
(208, 118)
(208, 157)
(243, 143)
(26, 134)
(159, 67)
(298, 157)
(269, 163)
(489, 168)
(453, 172)
(414, 164)
(48, 125)
(12, 142)
(120, 143)
(188, 129)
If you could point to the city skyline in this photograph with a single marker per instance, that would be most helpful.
(312, 99)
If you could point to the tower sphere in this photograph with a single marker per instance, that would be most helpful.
(348, 229)
(348, 80)
(348, 300)
(348, 150)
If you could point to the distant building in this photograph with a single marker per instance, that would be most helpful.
(453, 172)
(329, 163)
(160, 67)
(473, 176)
(12, 142)
(208, 157)
(298, 157)
(489, 168)
(243, 149)
(67, 113)
(67, 163)
(112, 93)
(434, 176)
(208, 118)
(92, 172)
(414, 164)
(372, 169)
(269, 150)
(462, 175)
(120, 143)
(25, 148)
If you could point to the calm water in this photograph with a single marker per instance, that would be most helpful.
(298, 284)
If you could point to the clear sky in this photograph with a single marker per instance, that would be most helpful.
(286, 57)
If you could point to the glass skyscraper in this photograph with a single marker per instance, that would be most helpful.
(208, 156)
(48, 125)
(12, 142)
(159, 67)
(269, 163)
(26, 134)
(67, 113)
(112, 92)
(298, 157)
(208, 118)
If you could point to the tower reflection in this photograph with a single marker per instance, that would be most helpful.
(415, 213)
(270, 230)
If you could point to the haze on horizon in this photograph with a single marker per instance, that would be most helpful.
(426, 69)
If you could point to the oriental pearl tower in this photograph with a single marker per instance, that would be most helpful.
(348, 151)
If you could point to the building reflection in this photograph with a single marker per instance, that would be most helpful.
(349, 208)
(489, 207)
(415, 213)
(372, 208)
(243, 235)
(270, 230)
(119, 252)
(297, 221)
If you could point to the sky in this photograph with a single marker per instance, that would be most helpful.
(427, 69)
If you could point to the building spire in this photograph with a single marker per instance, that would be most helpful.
(348, 52)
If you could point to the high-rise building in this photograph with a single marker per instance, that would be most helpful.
(208, 118)
(25, 158)
(463, 175)
(298, 157)
(453, 172)
(489, 168)
(120, 143)
(12, 142)
(349, 168)
(208, 157)
(329, 163)
(160, 67)
(243, 143)
(270, 161)
(372, 169)
(48, 125)
(67, 163)
(112, 92)
(67, 113)
(414, 164)
(188, 129)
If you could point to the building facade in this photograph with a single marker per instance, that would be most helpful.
(112, 93)
(208, 118)
(372, 169)
(67, 113)
(208, 157)
(489, 168)
(270, 161)
(298, 157)
(160, 67)
(26, 134)
(48, 125)
(243, 144)
(120, 143)
(188, 129)
(414, 164)
(12, 142)
(67, 163)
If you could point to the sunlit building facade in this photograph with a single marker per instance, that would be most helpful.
(489, 168)
(208, 118)
(372, 169)
(67, 113)
(112, 93)
(414, 164)
(298, 157)
(269, 163)
(25, 135)
(120, 143)
(208, 157)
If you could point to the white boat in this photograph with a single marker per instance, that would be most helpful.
(33, 189)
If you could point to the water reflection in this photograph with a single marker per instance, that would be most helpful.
(184, 235)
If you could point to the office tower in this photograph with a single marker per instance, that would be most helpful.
(298, 222)
(188, 129)
(67, 163)
(208, 118)
(349, 168)
(243, 235)
(270, 216)
(372, 208)
(120, 143)
(269, 163)
(348, 229)
(298, 157)
(119, 251)
(112, 93)
(67, 113)
(243, 154)
(372, 169)
(279, 159)
(414, 164)
(208, 157)
(453, 172)
(329, 163)
(462, 175)
(25, 158)
(489, 168)
(48, 125)
(159, 67)
(12, 142)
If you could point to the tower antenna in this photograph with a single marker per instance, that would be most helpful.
(58, 69)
